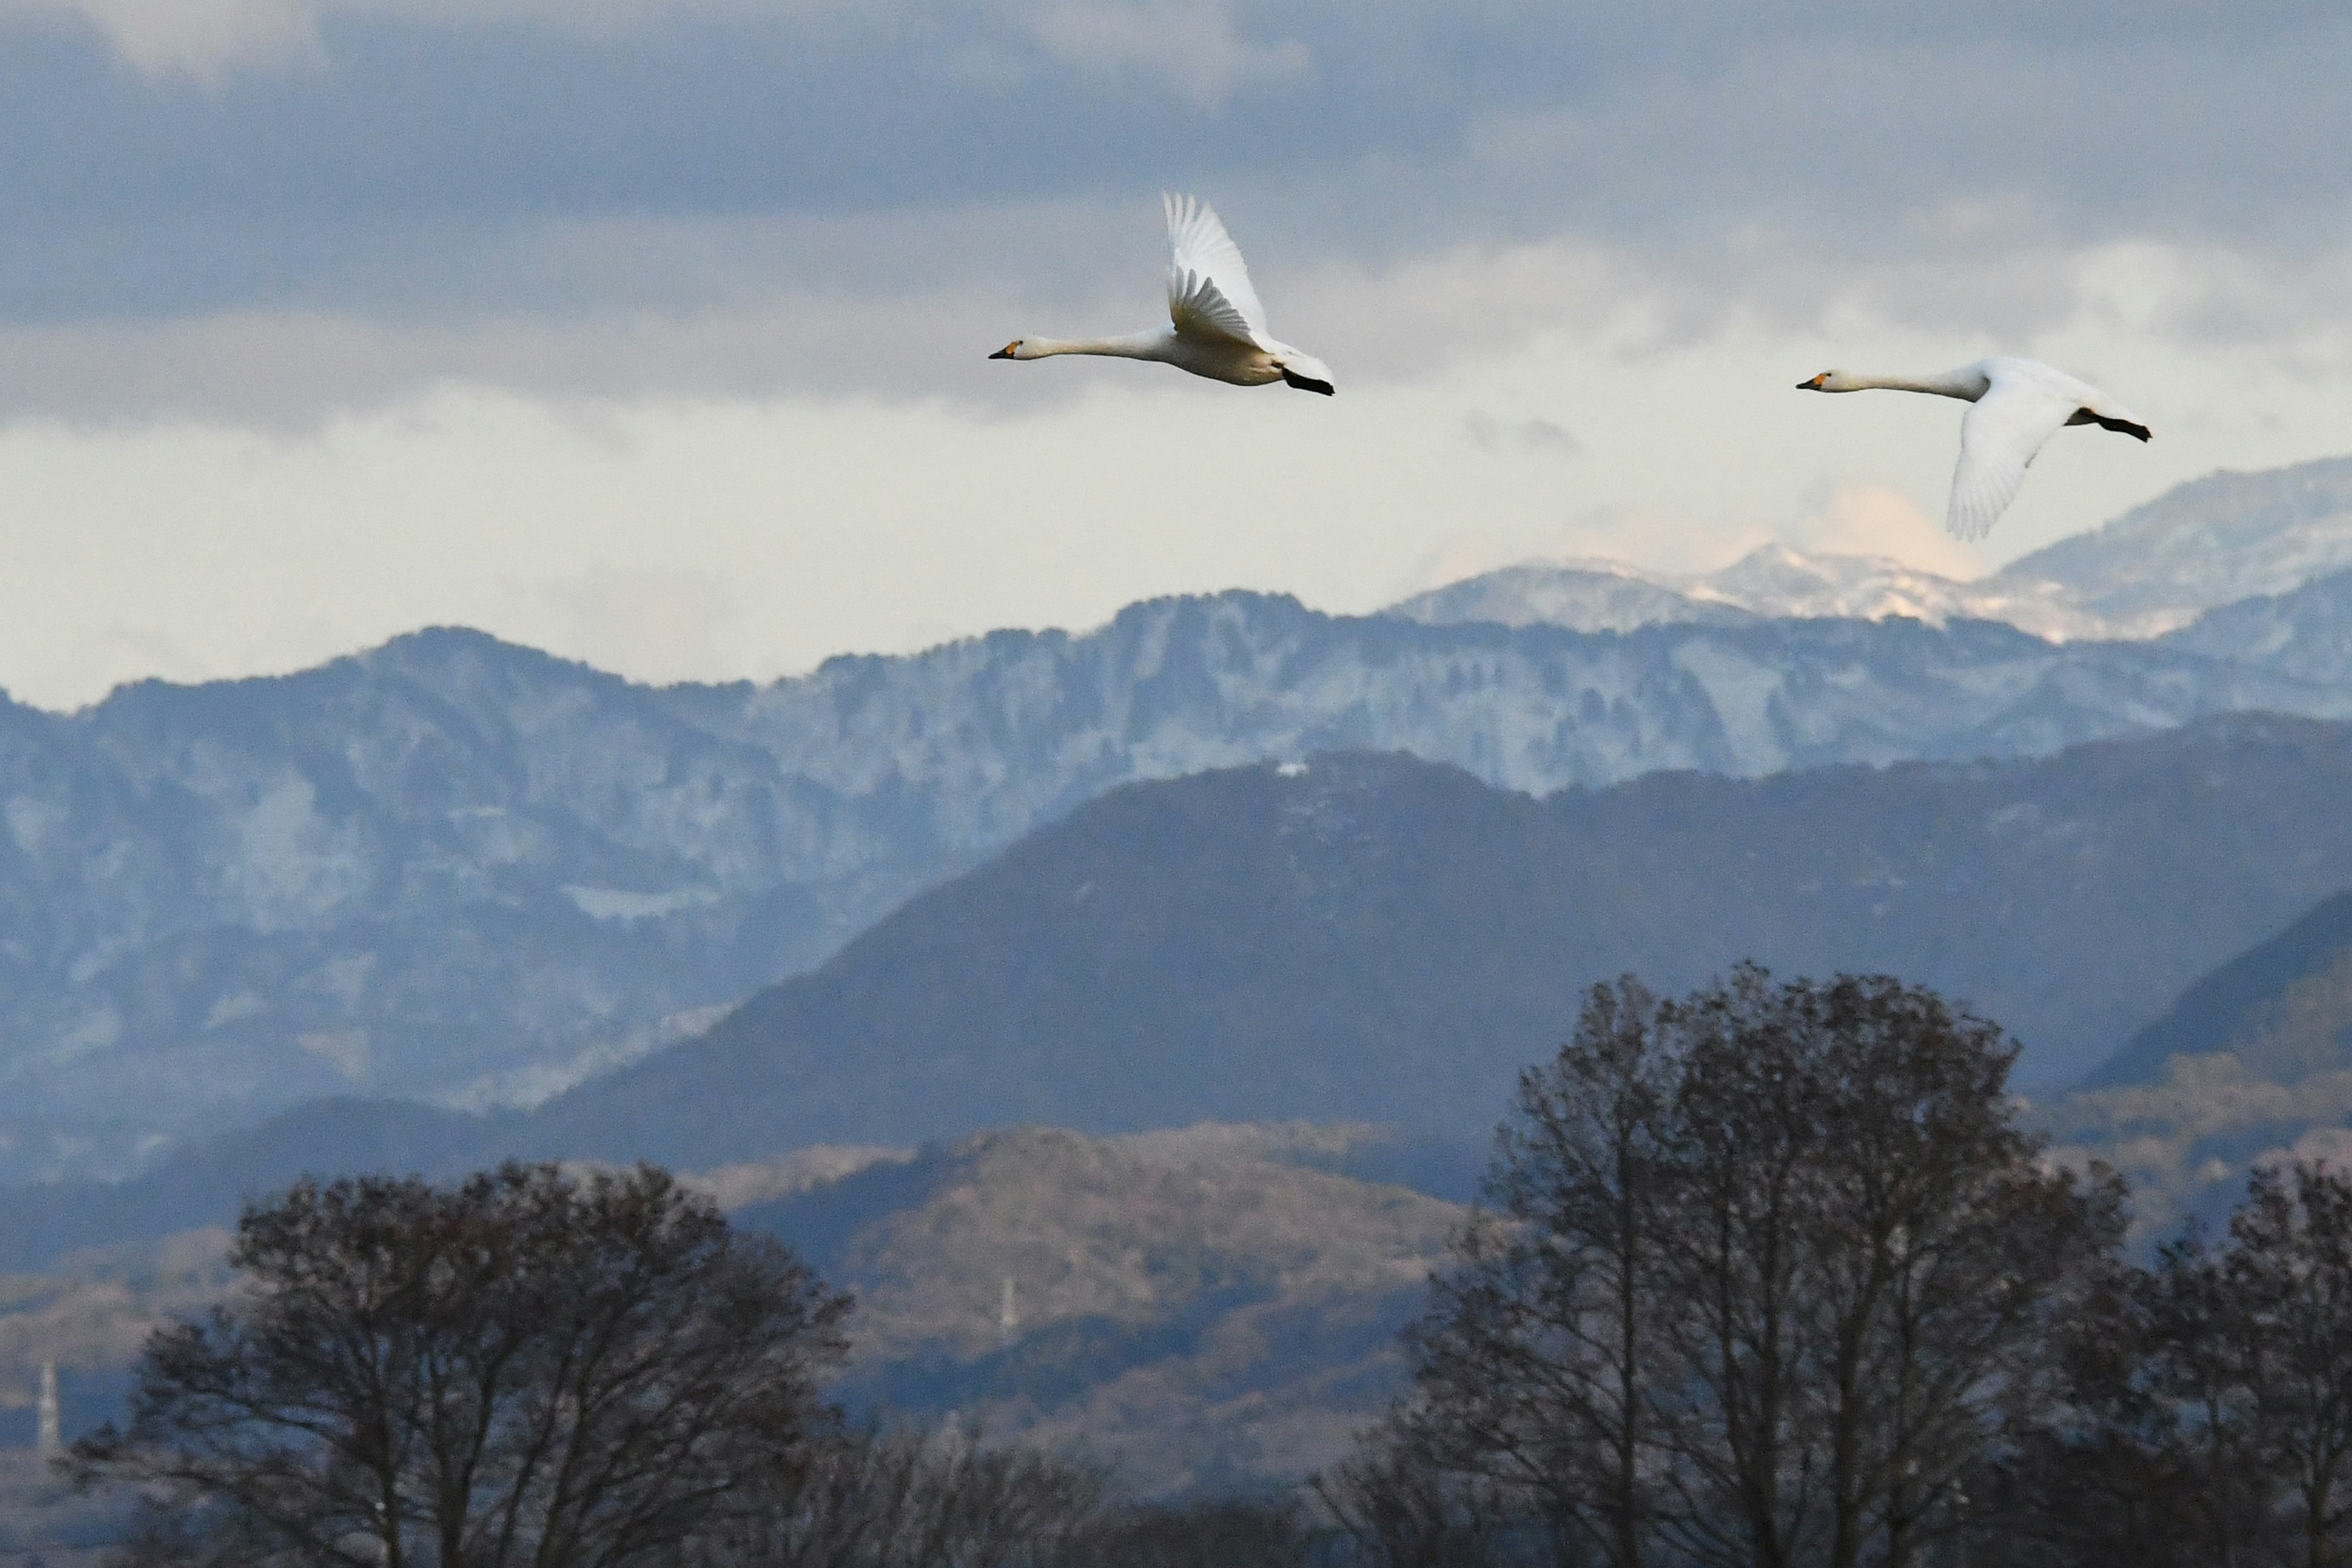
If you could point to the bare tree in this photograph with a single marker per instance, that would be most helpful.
(2189, 1359)
(1873, 1258)
(872, 1497)
(1534, 1358)
(1744, 1417)
(1207, 1532)
(526, 1368)
(2288, 1277)
(1401, 1507)
(1944, 1257)
(1767, 1272)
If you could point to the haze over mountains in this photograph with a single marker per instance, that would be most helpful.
(456, 869)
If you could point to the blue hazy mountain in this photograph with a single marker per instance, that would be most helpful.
(1386, 940)
(1377, 939)
(2249, 1063)
(456, 869)
(2281, 1009)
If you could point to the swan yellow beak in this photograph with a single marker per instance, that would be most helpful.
(1007, 352)
(1814, 384)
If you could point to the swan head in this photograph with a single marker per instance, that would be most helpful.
(1833, 381)
(1011, 350)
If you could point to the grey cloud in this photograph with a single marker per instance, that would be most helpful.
(687, 185)
(1489, 434)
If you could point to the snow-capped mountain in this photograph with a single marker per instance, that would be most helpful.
(1580, 596)
(2154, 570)
(2212, 541)
(1774, 582)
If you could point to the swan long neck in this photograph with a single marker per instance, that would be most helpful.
(1966, 384)
(1133, 345)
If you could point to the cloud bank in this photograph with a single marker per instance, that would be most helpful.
(1563, 259)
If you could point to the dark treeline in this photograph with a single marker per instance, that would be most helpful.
(1765, 1277)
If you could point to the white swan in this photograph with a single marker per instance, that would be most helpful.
(2019, 404)
(1217, 328)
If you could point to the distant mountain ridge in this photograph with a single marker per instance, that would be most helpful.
(1773, 581)
(1389, 941)
(453, 868)
(2282, 1008)
(2250, 1064)
(1380, 940)
(2211, 543)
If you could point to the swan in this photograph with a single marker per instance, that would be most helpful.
(1216, 327)
(2018, 403)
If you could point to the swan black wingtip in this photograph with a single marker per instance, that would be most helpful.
(1308, 384)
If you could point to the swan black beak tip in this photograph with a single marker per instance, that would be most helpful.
(1002, 353)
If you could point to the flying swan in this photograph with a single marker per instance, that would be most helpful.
(2019, 404)
(1216, 327)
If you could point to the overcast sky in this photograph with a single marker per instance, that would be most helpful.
(653, 331)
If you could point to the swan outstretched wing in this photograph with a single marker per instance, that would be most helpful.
(1208, 291)
(1999, 437)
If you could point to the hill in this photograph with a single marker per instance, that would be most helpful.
(2283, 1009)
(2251, 1062)
(1381, 938)
(1208, 1313)
(1211, 1307)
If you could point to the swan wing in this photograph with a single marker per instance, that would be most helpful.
(1208, 291)
(1999, 436)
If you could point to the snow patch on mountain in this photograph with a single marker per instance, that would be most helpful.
(2218, 539)
(2155, 570)
(1772, 583)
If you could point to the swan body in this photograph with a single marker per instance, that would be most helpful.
(2017, 405)
(1216, 328)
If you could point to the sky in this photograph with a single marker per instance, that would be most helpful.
(652, 332)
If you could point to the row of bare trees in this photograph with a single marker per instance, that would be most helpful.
(1769, 1276)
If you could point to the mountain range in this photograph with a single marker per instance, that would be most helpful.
(1375, 938)
(457, 871)
(2219, 540)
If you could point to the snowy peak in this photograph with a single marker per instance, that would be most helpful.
(1779, 582)
(2216, 541)
(1774, 582)
(1584, 596)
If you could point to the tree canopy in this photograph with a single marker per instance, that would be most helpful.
(528, 1367)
